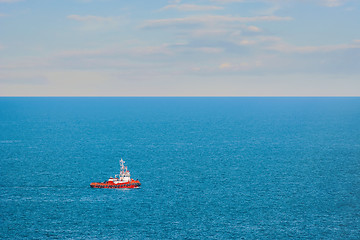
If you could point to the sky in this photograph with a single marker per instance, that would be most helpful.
(179, 48)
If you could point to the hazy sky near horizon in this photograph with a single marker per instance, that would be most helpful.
(180, 48)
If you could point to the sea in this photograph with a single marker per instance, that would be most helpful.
(209, 167)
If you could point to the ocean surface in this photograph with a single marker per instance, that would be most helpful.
(210, 168)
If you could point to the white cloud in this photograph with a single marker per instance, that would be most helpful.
(225, 66)
(253, 29)
(258, 40)
(192, 7)
(245, 42)
(289, 48)
(210, 19)
(239, 66)
(278, 44)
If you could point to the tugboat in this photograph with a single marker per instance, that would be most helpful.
(121, 180)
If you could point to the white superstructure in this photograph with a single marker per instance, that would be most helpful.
(123, 176)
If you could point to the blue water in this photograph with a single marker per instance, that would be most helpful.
(210, 168)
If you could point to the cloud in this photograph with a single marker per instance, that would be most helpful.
(225, 66)
(226, 31)
(210, 19)
(275, 43)
(239, 66)
(209, 50)
(245, 42)
(253, 29)
(191, 7)
(289, 48)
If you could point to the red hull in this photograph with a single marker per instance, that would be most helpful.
(131, 184)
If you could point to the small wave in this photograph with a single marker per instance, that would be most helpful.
(9, 141)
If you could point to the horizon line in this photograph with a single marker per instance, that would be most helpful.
(180, 96)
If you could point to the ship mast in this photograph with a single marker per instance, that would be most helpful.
(124, 173)
(122, 169)
(121, 166)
